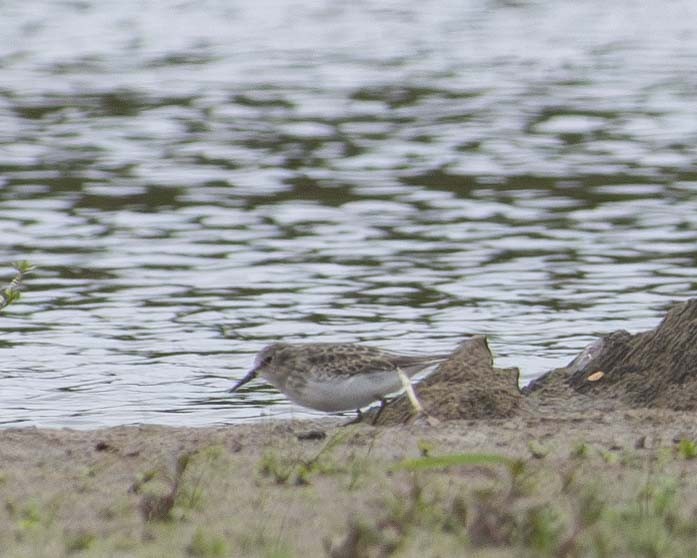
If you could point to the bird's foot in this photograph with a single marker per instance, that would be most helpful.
(383, 403)
(423, 418)
(357, 419)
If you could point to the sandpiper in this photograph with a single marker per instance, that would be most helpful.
(335, 377)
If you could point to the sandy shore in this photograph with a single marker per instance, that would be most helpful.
(605, 484)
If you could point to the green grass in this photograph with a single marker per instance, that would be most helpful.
(687, 449)
(207, 545)
(453, 460)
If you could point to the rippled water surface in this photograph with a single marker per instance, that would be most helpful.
(197, 179)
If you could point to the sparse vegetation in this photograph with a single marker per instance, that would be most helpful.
(294, 467)
(360, 493)
(12, 291)
(161, 490)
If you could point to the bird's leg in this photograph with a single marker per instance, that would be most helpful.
(383, 402)
(358, 418)
(406, 383)
(410, 392)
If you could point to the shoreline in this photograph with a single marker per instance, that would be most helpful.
(597, 458)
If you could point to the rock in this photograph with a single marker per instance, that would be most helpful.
(466, 386)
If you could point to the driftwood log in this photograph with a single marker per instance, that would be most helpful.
(656, 368)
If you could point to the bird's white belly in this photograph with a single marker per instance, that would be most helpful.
(346, 393)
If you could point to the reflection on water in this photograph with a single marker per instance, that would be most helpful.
(197, 180)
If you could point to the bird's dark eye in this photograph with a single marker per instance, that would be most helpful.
(265, 361)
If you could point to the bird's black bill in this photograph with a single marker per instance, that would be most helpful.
(248, 378)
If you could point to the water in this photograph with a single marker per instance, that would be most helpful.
(197, 179)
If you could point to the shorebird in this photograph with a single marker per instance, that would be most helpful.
(335, 377)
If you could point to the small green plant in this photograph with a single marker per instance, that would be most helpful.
(537, 450)
(191, 493)
(206, 545)
(298, 470)
(580, 451)
(541, 528)
(610, 457)
(161, 491)
(272, 466)
(34, 517)
(590, 507)
(77, 542)
(157, 506)
(30, 515)
(687, 449)
(657, 497)
(11, 293)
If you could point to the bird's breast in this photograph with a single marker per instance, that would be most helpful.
(343, 393)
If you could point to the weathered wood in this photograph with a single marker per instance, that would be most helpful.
(656, 368)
